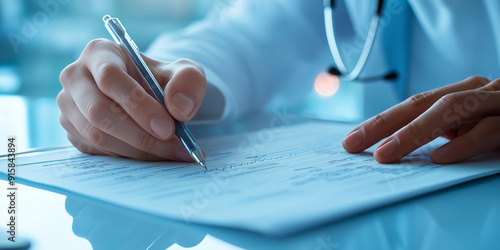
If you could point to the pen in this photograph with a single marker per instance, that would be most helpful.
(121, 37)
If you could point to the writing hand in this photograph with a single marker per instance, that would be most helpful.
(467, 113)
(105, 110)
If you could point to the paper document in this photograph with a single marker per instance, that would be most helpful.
(274, 182)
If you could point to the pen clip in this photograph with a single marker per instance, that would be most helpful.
(115, 28)
(117, 31)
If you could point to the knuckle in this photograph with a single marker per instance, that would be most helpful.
(60, 99)
(493, 85)
(418, 99)
(478, 80)
(190, 65)
(66, 75)
(75, 142)
(190, 71)
(379, 120)
(95, 45)
(184, 61)
(415, 129)
(452, 100)
(191, 80)
(106, 77)
(96, 136)
(81, 146)
(147, 142)
(64, 123)
(134, 110)
(96, 112)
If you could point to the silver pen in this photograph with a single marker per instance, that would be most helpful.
(121, 37)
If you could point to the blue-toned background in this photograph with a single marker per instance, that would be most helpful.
(38, 38)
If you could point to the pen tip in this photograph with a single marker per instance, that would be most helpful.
(198, 157)
(203, 165)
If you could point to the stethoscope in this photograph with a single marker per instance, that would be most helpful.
(341, 70)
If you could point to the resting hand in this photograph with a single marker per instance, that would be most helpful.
(105, 110)
(467, 113)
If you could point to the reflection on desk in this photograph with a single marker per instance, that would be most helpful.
(463, 217)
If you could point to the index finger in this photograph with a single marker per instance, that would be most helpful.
(108, 68)
(388, 122)
(448, 112)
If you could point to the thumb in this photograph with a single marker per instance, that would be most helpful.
(185, 89)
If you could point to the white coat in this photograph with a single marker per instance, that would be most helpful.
(262, 50)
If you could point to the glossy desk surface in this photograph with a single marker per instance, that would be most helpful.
(466, 216)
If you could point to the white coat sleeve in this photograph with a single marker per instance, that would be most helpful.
(257, 50)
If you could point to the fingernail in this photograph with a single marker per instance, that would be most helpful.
(183, 103)
(182, 154)
(161, 127)
(355, 138)
(441, 152)
(389, 147)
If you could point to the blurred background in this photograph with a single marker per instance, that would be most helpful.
(38, 38)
